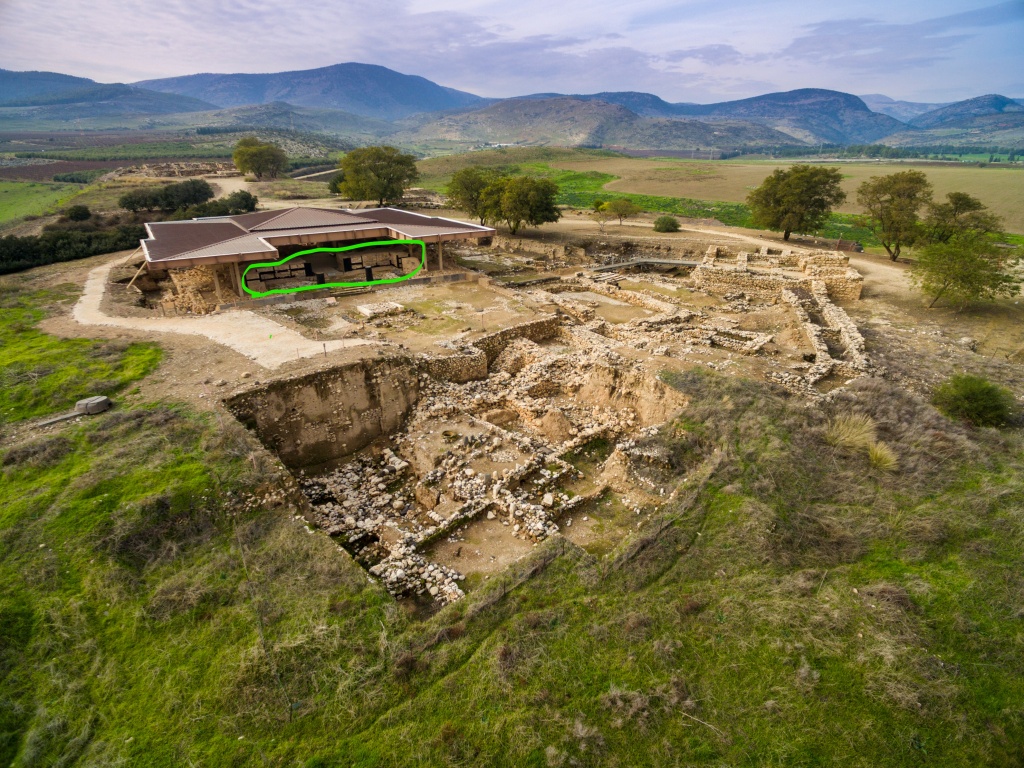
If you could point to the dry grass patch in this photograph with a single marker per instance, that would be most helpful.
(852, 431)
(882, 457)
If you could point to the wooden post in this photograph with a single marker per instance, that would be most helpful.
(440, 255)
(132, 281)
(216, 285)
(238, 279)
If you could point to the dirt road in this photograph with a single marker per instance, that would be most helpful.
(267, 343)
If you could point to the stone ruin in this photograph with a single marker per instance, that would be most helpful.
(486, 430)
(768, 271)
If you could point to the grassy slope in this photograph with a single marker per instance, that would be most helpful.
(40, 374)
(23, 198)
(793, 607)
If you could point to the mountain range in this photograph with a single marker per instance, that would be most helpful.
(363, 89)
(365, 102)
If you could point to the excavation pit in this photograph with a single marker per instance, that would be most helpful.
(455, 456)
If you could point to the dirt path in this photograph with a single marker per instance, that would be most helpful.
(267, 343)
(225, 186)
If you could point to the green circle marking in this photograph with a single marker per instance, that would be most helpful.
(320, 286)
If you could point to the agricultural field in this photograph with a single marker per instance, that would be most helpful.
(24, 198)
(35, 171)
(705, 186)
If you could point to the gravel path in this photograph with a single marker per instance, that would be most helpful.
(267, 343)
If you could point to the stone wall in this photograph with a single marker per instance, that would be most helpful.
(323, 416)
(469, 364)
(535, 330)
(557, 251)
(766, 273)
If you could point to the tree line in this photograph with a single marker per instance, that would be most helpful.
(960, 255)
(187, 199)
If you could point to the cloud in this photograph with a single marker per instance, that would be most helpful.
(872, 45)
(733, 48)
(709, 54)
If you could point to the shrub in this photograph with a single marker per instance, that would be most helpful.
(975, 400)
(666, 224)
(78, 213)
(80, 177)
(851, 430)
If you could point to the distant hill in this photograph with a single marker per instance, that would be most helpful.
(572, 121)
(361, 89)
(643, 104)
(962, 114)
(809, 114)
(103, 101)
(27, 85)
(901, 110)
(284, 116)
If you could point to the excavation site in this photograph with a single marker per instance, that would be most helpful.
(496, 414)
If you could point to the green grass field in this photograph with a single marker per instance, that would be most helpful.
(160, 605)
(40, 374)
(25, 198)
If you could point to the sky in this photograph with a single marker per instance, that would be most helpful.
(686, 50)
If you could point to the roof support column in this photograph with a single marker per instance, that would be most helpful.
(216, 284)
(440, 255)
(238, 279)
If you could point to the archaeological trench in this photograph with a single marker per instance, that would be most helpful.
(411, 458)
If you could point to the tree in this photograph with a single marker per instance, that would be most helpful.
(666, 224)
(259, 158)
(148, 198)
(891, 205)
(377, 173)
(959, 215)
(78, 213)
(602, 216)
(185, 193)
(170, 198)
(519, 200)
(334, 185)
(622, 208)
(968, 267)
(465, 190)
(797, 200)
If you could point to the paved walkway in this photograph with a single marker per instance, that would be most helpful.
(267, 343)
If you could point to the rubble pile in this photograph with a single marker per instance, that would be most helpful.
(459, 459)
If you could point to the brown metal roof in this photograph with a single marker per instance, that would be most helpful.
(218, 239)
(171, 238)
(306, 218)
(250, 220)
(246, 245)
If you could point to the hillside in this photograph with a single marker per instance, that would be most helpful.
(100, 101)
(903, 111)
(570, 121)
(284, 116)
(643, 104)
(964, 114)
(809, 114)
(789, 603)
(362, 89)
(26, 85)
